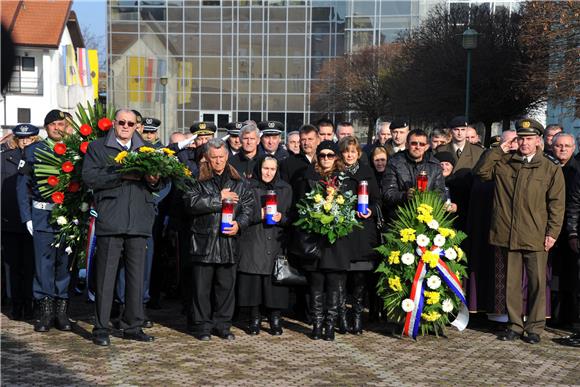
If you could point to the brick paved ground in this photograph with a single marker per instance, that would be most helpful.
(473, 357)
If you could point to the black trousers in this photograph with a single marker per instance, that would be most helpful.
(258, 289)
(109, 251)
(213, 301)
(18, 253)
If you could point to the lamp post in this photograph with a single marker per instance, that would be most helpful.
(163, 81)
(469, 43)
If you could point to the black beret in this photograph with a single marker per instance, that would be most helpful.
(151, 124)
(138, 116)
(270, 128)
(25, 130)
(327, 144)
(397, 124)
(234, 128)
(445, 156)
(529, 127)
(203, 128)
(458, 122)
(53, 115)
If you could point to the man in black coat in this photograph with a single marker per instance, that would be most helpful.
(126, 211)
(271, 140)
(245, 160)
(400, 180)
(214, 251)
(292, 169)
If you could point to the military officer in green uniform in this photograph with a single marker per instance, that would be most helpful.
(528, 211)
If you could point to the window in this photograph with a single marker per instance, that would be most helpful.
(27, 64)
(23, 115)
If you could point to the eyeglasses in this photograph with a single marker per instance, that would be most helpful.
(417, 143)
(326, 156)
(122, 123)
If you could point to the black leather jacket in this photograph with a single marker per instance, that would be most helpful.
(573, 208)
(203, 203)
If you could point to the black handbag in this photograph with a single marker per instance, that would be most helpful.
(305, 245)
(284, 274)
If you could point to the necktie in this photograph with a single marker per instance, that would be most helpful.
(125, 147)
(458, 153)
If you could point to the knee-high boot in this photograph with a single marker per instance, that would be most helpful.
(358, 294)
(343, 326)
(317, 314)
(331, 315)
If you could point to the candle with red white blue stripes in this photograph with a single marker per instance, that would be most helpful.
(271, 207)
(227, 214)
(362, 205)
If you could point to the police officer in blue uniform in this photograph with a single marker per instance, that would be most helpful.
(51, 274)
(234, 143)
(17, 249)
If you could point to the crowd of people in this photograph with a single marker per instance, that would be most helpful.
(518, 201)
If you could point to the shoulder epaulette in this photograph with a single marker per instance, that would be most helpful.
(551, 158)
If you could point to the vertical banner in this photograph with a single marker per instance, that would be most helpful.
(161, 72)
(135, 78)
(184, 72)
(72, 74)
(83, 62)
(150, 80)
(63, 66)
(94, 71)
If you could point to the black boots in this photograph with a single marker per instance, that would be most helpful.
(62, 321)
(358, 294)
(343, 327)
(255, 321)
(275, 323)
(46, 310)
(332, 299)
(317, 309)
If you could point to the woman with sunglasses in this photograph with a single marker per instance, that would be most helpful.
(362, 240)
(326, 274)
(261, 242)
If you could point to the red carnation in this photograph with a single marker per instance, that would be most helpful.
(105, 124)
(74, 186)
(86, 129)
(57, 197)
(84, 146)
(67, 167)
(52, 181)
(59, 148)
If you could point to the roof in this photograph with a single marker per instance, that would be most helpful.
(37, 23)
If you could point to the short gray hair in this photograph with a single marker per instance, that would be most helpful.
(215, 143)
(502, 138)
(563, 134)
(248, 128)
(292, 133)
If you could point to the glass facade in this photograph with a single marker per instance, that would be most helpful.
(237, 60)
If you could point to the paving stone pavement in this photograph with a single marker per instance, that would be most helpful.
(472, 357)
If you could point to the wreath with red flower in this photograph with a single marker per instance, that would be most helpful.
(60, 181)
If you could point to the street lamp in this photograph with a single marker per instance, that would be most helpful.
(163, 81)
(469, 43)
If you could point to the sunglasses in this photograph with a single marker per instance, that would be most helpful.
(129, 123)
(326, 156)
(417, 143)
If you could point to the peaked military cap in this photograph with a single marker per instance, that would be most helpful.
(203, 128)
(458, 122)
(53, 115)
(397, 124)
(138, 116)
(234, 128)
(529, 127)
(151, 124)
(494, 141)
(270, 128)
(25, 130)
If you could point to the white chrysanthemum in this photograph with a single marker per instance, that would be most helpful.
(408, 259)
(84, 207)
(422, 240)
(75, 221)
(447, 305)
(450, 254)
(68, 250)
(439, 240)
(61, 221)
(408, 305)
(434, 282)
(433, 224)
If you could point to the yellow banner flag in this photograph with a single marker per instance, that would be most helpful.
(94, 71)
(136, 78)
(184, 86)
(72, 71)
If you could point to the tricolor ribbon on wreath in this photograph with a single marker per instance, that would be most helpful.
(413, 317)
(90, 248)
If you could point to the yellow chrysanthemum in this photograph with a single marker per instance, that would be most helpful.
(407, 235)
(146, 149)
(168, 151)
(425, 209)
(430, 258)
(394, 257)
(432, 297)
(424, 217)
(431, 316)
(446, 232)
(121, 156)
(330, 191)
(395, 284)
(317, 198)
(186, 171)
(327, 206)
(340, 200)
(459, 252)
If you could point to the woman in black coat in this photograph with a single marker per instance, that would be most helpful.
(362, 240)
(328, 273)
(259, 245)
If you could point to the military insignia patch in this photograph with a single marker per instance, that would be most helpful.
(526, 124)
(202, 125)
(271, 125)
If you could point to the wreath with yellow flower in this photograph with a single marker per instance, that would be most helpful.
(422, 268)
(327, 210)
(160, 162)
